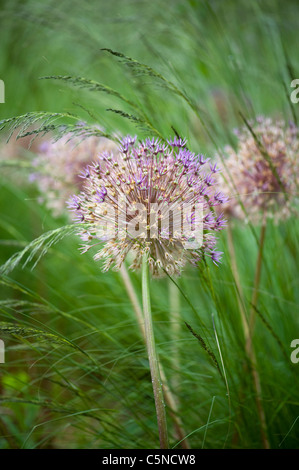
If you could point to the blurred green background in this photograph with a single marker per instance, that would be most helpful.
(76, 372)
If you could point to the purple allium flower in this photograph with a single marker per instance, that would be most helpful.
(141, 200)
(216, 257)
(263, 177)
(177, 142)
(61, 168)
(126, 143)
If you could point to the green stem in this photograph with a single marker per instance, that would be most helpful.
(249, 325)
(153, 358)
(168, 396)
(249, 343)
(248, 329)
(257, 278)
(238, 285)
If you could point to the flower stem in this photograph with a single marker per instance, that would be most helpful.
(235, 272)
(249, 342)
(153, 358)
(168, 396)
(257, 278)
(248, 325)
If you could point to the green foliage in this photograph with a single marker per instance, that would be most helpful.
(76, 372)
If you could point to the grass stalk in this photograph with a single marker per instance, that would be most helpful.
(174, 314)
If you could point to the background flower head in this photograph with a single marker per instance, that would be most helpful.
(16, 155)
(262, 172)
(59, 164)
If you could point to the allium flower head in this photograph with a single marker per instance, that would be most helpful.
(150, 198)
(59, 164)
(262, 172)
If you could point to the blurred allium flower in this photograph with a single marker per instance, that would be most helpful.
(15, 155)
(58, 165)
(14, 148)
(138, 200)
(262, 172)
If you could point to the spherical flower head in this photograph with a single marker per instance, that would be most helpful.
(261, 175)
(59, 166)
(150, 199)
